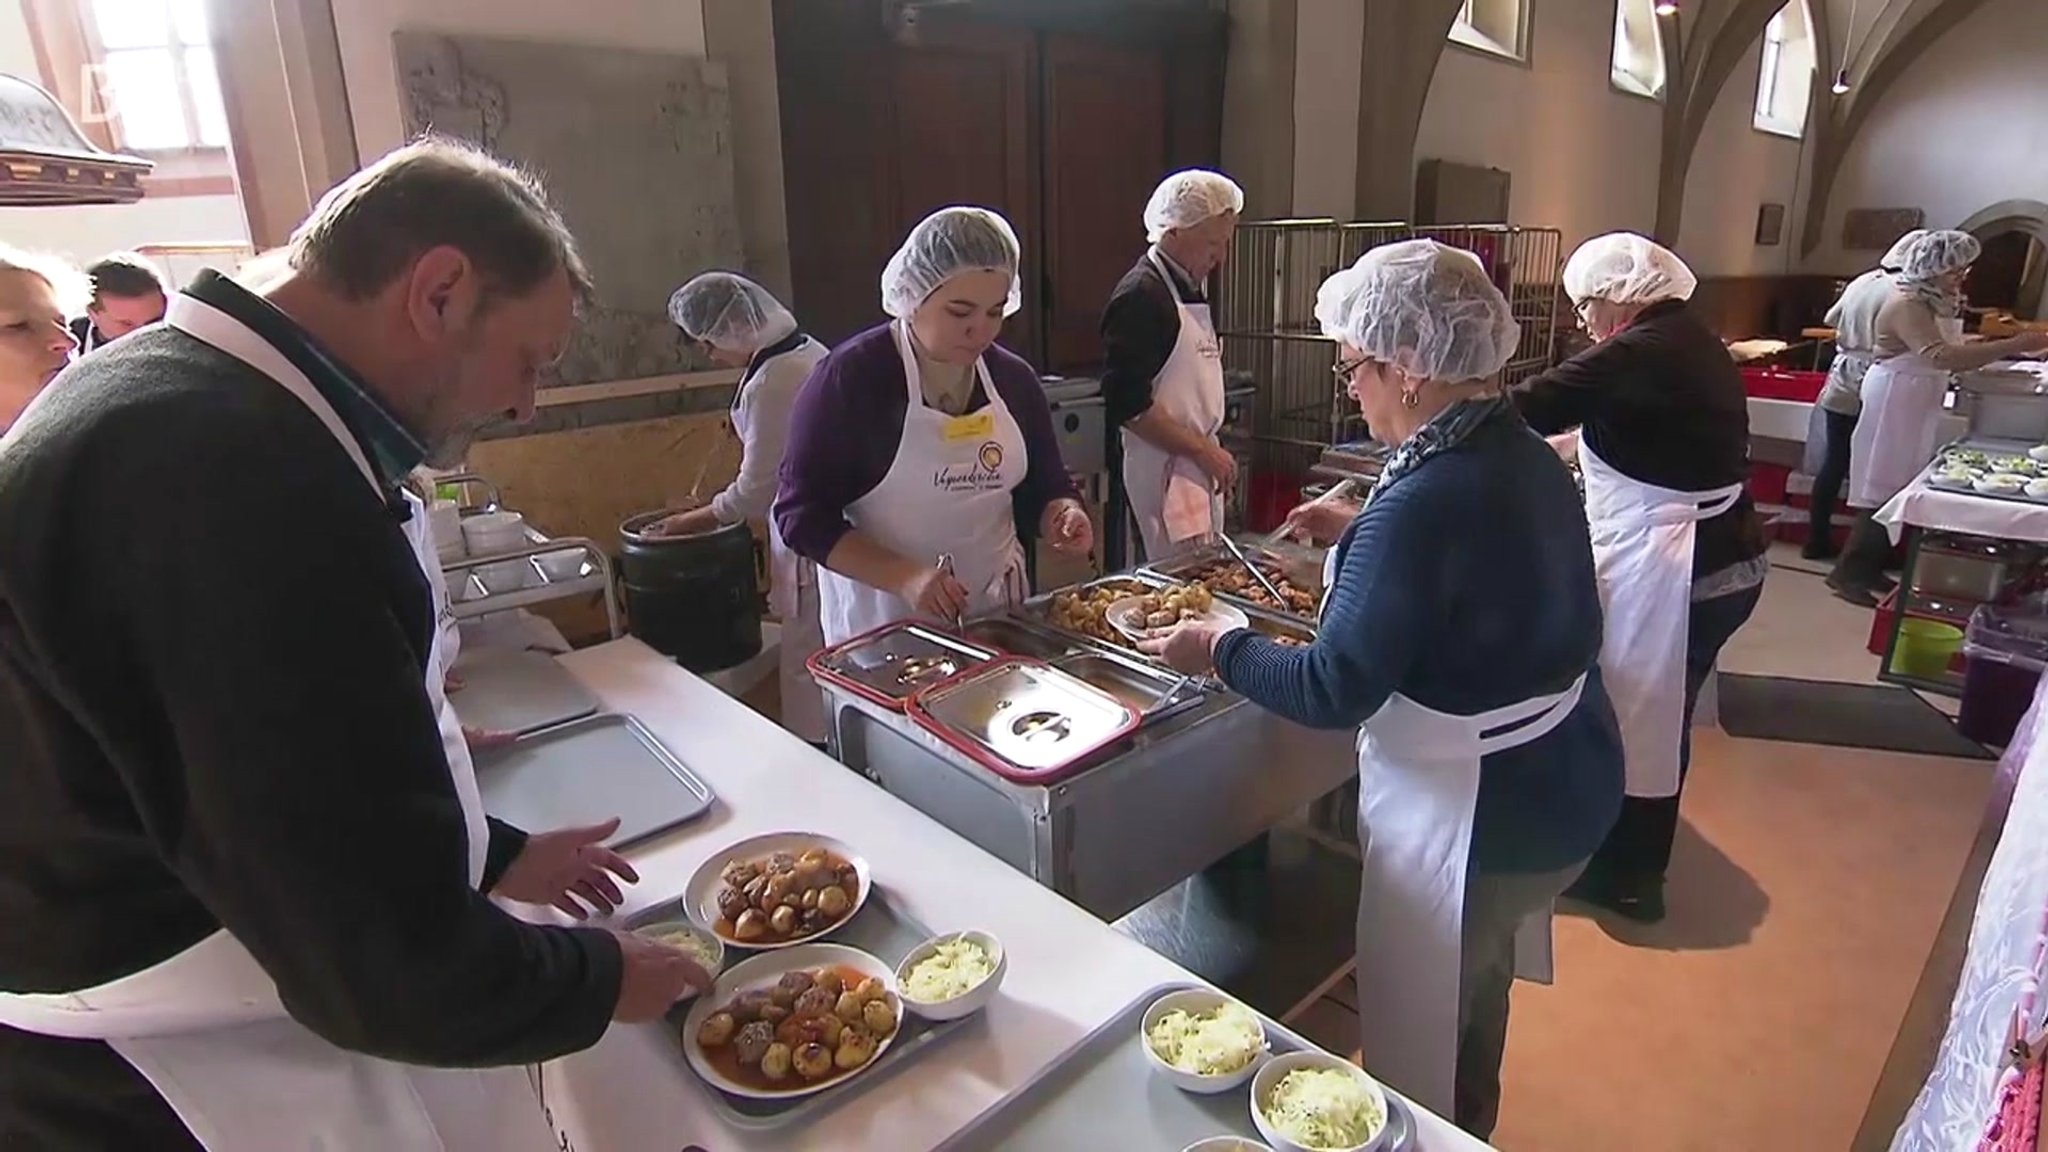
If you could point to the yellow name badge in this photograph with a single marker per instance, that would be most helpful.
(978, 426)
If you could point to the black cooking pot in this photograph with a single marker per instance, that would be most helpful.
(695, 598)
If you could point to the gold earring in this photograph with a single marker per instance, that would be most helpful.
(1410, 399)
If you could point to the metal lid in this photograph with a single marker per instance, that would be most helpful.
(1024, 720)
(632, 529)
(895, 661)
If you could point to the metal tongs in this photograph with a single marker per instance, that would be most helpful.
(1279, 601)
(1337, 491)
(946, 566)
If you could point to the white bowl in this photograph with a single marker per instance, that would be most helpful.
(1228, 1144)
(488, 532)
(565, 565)
(2038, 452)
(2002, 483)
(707, 941)
(1195, 1000)
(967, 1003)
(1279, 1066)
(505, 576)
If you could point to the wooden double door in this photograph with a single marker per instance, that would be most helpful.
(1061, 123)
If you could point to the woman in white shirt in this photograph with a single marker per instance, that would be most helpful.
(740, 324)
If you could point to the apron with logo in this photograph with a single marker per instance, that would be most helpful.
(1171, 499)
(1643, 539)
(206, 1027)
(947, 493)
(793, 593)
(1897, 434)
(1418, 790)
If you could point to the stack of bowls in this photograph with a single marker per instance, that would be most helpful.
(444, 520)
(494, 534)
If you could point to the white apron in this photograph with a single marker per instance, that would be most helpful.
(793, 593)
(1168, 494)
(1418, 790)
(1895, 437)
(947, 493)
(206, 1027)
(1643, 551)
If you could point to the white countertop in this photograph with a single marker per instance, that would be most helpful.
(1069, 972)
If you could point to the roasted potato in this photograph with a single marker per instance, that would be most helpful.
(717, 1030)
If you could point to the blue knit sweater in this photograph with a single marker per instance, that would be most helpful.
(1467, 586)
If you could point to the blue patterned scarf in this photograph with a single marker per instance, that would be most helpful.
(1445, 431)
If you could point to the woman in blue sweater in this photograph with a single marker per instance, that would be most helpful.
(1461, 633)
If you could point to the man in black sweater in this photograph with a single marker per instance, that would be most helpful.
(231, 837)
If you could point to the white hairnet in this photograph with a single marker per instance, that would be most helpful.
(1624, 268)
(1895, 256)
(730, 311)
(1424, 307)
(1938, 254)
(943, 245)
(1185, 199)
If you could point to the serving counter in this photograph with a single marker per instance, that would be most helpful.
(1205, 772)
(1069, 973)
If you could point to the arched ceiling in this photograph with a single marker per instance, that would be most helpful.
(1876, 40)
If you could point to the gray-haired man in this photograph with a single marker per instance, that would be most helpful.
(250, 874)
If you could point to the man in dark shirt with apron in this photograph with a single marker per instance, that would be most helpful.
(248, 887)
(1162, 378)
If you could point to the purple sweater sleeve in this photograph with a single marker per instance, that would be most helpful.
(847, 425)
(842, 438)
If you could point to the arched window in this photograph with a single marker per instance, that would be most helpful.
(1784, 85)
(1638, 49)
(1499, 27)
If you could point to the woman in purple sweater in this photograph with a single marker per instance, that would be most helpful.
(919, 446)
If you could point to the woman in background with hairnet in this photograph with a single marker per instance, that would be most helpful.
(1461, 630)
(1664, 449)
(1162, 378)
(1918, 341)
(742, 325)
(920, 446)
(1854, 319)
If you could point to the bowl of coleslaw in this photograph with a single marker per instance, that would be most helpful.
(1203, 1041)
(951, 976)
(1316, 1102)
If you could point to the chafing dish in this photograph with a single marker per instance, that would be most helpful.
(892, 663)
(1025, 721)
(1212, 564)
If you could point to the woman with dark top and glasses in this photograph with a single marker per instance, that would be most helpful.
(1460, 633)
(1664, 449)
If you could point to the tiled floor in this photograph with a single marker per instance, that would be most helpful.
(1805, 889)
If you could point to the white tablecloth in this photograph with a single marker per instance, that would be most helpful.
(1921, 505)
(2005, 956)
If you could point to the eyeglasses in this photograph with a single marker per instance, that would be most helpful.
(1343, 369)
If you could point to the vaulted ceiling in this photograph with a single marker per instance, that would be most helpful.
(1875, 40)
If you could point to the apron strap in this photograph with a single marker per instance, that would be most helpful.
(1528, 721)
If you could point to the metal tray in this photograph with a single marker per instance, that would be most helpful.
(1024, 720)
(588, 771)
(1104, 1094)
(1297, 567)
(878, 929)
(1006, 634)
(518, 692)
(890, 664)
(1038, 609)
(1145, 690)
